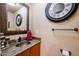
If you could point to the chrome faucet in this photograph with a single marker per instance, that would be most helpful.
(3, 43)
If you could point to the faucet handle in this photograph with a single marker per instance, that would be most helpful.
(1, 34)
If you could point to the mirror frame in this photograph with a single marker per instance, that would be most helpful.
(7, 33)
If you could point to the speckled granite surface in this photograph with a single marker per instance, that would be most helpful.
(13, 50)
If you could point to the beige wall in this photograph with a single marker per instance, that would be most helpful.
(51, 41)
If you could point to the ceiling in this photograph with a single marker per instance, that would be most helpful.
(13, 8)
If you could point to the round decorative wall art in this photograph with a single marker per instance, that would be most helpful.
(18, 19)
(58, 12)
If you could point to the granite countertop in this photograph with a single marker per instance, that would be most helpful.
(13, 50)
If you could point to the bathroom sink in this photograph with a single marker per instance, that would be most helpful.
(23, 43)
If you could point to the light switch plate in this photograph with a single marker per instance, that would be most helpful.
(37, 31)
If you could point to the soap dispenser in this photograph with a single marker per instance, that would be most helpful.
(18, 42)
(29, 37)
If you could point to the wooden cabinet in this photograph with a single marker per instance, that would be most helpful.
(25, 53)
(33, 51)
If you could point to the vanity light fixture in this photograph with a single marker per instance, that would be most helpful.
(12, 4)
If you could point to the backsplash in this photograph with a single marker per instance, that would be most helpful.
(13, 37)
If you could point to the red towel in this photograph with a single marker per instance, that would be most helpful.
(29, 35)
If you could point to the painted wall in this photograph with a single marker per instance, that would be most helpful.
(12, 17)
(51, 41)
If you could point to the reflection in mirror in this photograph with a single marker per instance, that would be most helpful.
(15, 22)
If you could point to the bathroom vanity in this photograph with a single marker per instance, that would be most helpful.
(32, 49)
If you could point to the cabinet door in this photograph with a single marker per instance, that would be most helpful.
(35, 50)
(25, 53)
